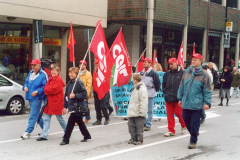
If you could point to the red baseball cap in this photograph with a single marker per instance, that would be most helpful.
(35, 61)
(82, 61)
(172, 60)
(148, 59)
(96, 62)
(197, 55)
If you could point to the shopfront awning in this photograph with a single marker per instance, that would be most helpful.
(215, 34)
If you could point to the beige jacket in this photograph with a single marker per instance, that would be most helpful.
(138, 104)
(86, 77)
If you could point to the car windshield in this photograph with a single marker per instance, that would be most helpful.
(4, 82)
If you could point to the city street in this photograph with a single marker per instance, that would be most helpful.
(219, 139)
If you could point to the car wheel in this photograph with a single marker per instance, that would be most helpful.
(15, 106)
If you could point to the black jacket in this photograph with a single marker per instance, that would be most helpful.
(170, 85)
(215, 75)
(80, 94)
(228, 80)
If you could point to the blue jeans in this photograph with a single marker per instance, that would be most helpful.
(35, 107)
(192, 122)
(232, 90)
(47, 120)
(148, 119)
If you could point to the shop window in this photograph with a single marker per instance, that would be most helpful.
(15, 43)
(232, 3)
(216, 1)
(52, 43)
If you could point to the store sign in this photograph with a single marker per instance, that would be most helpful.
(156, 39)
(52, 42)
(15, 40)
(226, 43)
(229, 26)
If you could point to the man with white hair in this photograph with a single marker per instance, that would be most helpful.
(235, 82)
(214, 74)
(34, 88)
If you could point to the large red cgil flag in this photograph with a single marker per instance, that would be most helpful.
(101, 51)
(70, 44)
(180, 57)
(122, 65)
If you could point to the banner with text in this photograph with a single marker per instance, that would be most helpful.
(121, 97)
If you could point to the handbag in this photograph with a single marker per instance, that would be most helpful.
(80, 110)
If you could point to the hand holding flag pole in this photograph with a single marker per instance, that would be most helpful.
(85, 56)
(140, 57)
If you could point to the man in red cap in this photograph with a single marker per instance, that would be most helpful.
(34, 88)
(151, 79)
(86, 77)
(100, 105)
(194, 95)
(170, 85)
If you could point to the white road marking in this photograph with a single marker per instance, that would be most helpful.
(13, 140)
(215, 94)
(165, 126)
(139, 147)
(234, 104)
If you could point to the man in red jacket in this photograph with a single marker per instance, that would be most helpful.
(100, 105)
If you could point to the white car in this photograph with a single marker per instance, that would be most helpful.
(12, 97)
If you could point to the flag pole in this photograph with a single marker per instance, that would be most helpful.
(85, 57)
(140, 57)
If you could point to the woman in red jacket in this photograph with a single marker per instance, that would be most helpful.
(54, 92)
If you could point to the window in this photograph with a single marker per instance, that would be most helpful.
(216, 1)
(4, 82)
(232, 3)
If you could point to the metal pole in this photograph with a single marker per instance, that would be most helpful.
(89, 55)
(208, 23)
(150, 18)
(38, 39)
(140, 57)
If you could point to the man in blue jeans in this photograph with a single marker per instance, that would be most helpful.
(34, 88)
(194, 95)
(151, 79)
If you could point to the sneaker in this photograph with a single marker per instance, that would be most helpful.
(131, 141)
(125, 118)
(41, 139)
(168, 134)
(183, 130)
(26, 135)
(147, 129)
(106, 121)
(138, 142)
(202, 120)
(220, 104)
(97, 123)
(192, 146)
(86, 121)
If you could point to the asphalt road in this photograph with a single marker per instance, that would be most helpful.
(219, 139)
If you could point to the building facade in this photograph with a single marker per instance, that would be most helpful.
(175, 21)
(16, 30)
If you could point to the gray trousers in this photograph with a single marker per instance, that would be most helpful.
(135, 127)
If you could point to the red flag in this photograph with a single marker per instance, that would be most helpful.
(140, 64)
(122, 65)
(194, 51)
(180, 57)
(70, 44)
(101, 51)
(154, 57)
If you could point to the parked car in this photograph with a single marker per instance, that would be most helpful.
(12, 98)
(4, 70)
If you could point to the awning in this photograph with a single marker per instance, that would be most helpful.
(215, 34)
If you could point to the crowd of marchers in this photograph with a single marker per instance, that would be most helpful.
(187, 94)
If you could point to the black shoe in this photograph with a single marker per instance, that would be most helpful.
(64, 142)
(226, 104)
(41, 139)
(97, 123)
(84, 140)
(106, 121)
(220, 104)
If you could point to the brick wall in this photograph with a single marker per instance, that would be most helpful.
(234, 16)
(198, 13)
(126, 9)
(173, 11)
(217, 17)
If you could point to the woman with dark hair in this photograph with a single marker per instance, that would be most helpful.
(72, 101)
(226, 80)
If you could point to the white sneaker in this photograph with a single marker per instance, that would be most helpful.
(183, 130)
(168, 134)
(26, 135)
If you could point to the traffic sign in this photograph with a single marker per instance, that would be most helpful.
(229, 26)
(226, 43)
